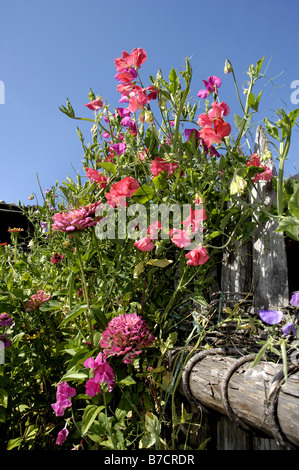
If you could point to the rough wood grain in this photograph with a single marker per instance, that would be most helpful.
(249, 392)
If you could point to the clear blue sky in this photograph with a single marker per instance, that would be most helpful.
(58, 49)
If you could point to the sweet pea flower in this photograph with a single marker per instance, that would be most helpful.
(119, 148)
(289, 328)
(144, 244)
(63, 394)
(95, 104)
(119, 191)
(135, 59)
(180, 238)
(102, 371)
(212, 85)
(158, 165)
(271, 317)
(61, 437)
(266, 175)
(197, 256)
(295, 299)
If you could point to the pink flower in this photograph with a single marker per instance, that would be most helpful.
(197, 256)
(95, 104)
(96, 176)
(119, 191)
(158, 165)
(215, 135)
(135, 59)
(152, 230)
(266, 175)
(61, 437)
(103, 372)
(63, 394)
(73, 221)
(126, 335)
(36, 300)
(218, 110)
(212, 85)
(194, 220)
(144, 244)
(180, 238)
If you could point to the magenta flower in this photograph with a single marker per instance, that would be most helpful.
(212, 85)
(295, 299)
(61, 437)
(73, 221)
(5, 319)
(102, 371)
(36, 300)
(57, 258)
(126, 335)
(119, 148)
(271, 317)
(158, 165)
(63, 394)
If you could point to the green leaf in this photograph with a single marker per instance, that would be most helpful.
(68, 110)
(293, 204)
(272, 130)
(90, 414)
(160, 263)
(173, 79)
(74, 313)
(109, 166)
(238, 121)
(144, 193)
(127, 381)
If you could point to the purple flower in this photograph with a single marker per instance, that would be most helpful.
(188, 133)
(271, 317)
(5, 342)
(295, 299)
(5, 319)
(123, 112)
(212, 85)
(118, 148)
(61, 437)
(289, 328)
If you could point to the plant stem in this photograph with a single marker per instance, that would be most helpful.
(85, 289)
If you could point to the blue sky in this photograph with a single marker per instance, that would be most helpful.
(58, 49)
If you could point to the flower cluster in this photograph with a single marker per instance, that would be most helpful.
(63, 394)
(213, 127)
(102, 372)
(36, 300)
(57, 258)
(5, 319)
(126, 335)
(73, 221)
(97, 177)
(127, 66)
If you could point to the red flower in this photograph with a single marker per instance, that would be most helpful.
(119, 191)
(158, 165)
(197, 256)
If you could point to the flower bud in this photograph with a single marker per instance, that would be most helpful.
(227, 67)
(238, 185)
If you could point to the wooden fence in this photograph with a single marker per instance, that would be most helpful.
(236, 406)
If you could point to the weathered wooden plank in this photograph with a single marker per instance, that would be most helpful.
(269, 260)
(248, 400)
